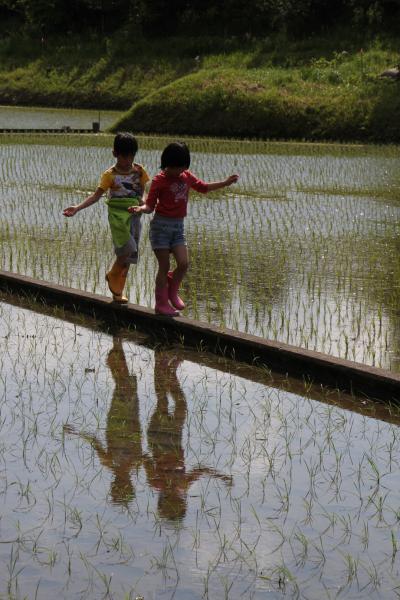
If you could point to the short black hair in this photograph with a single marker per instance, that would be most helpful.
(176, 154)
(125, 144)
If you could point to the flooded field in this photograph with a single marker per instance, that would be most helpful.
(304, 249)
(53, 118)
(129, 470)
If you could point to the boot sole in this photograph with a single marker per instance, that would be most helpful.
(119, 300)
(176, 314)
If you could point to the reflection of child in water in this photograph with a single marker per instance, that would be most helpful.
(123, 450)
(165, 467)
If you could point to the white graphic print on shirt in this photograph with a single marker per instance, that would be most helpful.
(127, 186)
(180, 191)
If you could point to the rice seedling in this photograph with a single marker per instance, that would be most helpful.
(303, 250)
(130, 470)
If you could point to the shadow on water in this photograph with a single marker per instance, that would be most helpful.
(123, 451)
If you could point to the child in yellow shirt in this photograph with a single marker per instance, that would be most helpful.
(125, 183)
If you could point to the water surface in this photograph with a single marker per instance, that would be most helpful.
(304, 249)
(130, 470)
(55, 118)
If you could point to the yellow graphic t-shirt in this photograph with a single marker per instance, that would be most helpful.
(124, 185)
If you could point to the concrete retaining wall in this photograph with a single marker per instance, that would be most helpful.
(338, 373)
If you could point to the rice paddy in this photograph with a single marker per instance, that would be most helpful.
(129, 470)
(133, 471)
(304, 249)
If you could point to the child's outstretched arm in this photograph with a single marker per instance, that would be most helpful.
(216, 185)
(92, 199)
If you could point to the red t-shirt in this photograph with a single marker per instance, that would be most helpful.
(168, 196)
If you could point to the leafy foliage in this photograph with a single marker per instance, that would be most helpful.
(232, 17)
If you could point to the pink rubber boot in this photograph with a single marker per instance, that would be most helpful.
(163, 307)
(173, 287)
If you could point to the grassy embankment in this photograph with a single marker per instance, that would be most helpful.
(305, 90)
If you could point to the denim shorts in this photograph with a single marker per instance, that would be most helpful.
(166, 233)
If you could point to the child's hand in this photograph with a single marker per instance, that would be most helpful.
(137, 209)
(70, 211)
(231, 179)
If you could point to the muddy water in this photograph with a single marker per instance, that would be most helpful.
(54, 118)
(132, 470)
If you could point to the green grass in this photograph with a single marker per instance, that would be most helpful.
(88, 72)
(315, 89)
(340, 99)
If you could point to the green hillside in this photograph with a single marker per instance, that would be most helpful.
(315, 88)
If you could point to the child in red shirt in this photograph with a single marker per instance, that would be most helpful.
(168, 197)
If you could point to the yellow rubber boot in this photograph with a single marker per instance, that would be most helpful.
(116, 279)
(122, 278)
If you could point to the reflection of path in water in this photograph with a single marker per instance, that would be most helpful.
(165, 467)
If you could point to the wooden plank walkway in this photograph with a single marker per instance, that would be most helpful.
(335, 372)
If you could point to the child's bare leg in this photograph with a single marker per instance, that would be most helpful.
(162, 256)
(182, 262)
(122, 261)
